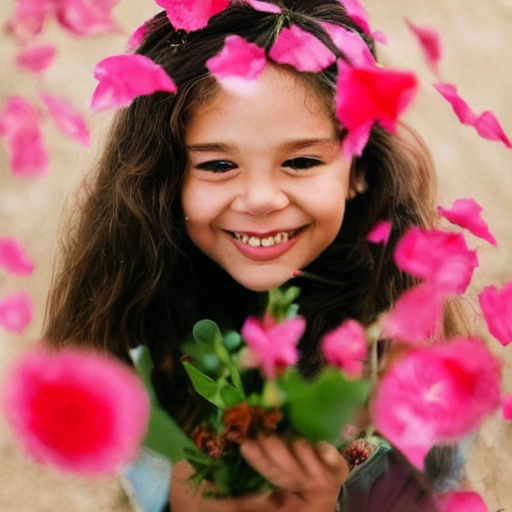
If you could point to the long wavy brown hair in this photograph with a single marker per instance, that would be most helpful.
(129, 273)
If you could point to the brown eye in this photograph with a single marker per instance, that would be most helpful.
(217, 166)
(302, 163)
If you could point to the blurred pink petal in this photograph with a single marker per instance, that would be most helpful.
(19, 124)
(191, 15)
(36, 59)
(357, 13)
(301, 50)
(430, 43)
(273, 345)
(14, 258)
(466, 214)
(460, 501)
(125, 77)
(506, 406)
(264, 6)
(436, 395)
(497, 309)
(68, 120)
(238, 65)
(345, 347)
(440, 257)
(76, 410)
(486, 124)
(355, 141)
(137, 37)
(416, 316)
(380, 232)
(379, 36)
(29, 18)
(16, 312)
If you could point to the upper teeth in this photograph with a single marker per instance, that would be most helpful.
(268, 241)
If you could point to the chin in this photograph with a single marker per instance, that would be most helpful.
(261, 285)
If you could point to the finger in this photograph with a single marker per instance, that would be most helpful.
(333, 460)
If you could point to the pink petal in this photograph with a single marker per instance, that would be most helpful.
(379, 36)
(36, 59)
(355, 141)
(416, 316)
(16, 312)
(76, 410)
(486, 124)
(301, 50)
(357, 13)
(68, 120)
(14, 258)
(506, 406)
(345, 347)
(466, 214)
(497, 309)
(191, 15)
(442, 258)
(29, 18)
(238, 65)
(137, 37)
(380, 233)
(430, 43)
(125, 77)
(264, 6)
(461, 501)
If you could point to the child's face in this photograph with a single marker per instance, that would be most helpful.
(266, 183)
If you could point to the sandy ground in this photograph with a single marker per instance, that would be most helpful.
(477, 40)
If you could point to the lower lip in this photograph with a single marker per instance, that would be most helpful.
(266, 253)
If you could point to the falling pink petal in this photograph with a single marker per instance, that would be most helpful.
(466, 214)
(496, 306)
(357, 13)
(264, 6)
(379, 36)
(36, 59)
(238, 65)
(301, 50)
(14, 258)
(191, 15)
(29, 18)
(137, 37)
(430, 43)
(76, 410)
(125, 77)
(345, 347)
(380, 233)
(486, 124)
(68, 120)
(19, 124)
(506, 406)
(460, 501)
(435, 395)
(16, 312)
(416, 317)
(440, 257)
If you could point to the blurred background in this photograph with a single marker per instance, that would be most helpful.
(476, 40)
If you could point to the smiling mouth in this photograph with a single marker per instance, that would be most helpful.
(268, 241)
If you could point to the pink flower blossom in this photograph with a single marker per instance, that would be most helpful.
(442, 258)
(301, 50)
(430, 43)
(497, 309)
(125, 77)
(466, 214)
(436, 394)
(14, 258)
(16, 312)
(380, 232)
(76, 410)
(357, 13)
(29, 18)
(36, 59)
(486, 124)
(238, 65)
(191, 15)
(264, 6)
(19, 124)
(137, 37)
(345, 347)
(273, 344)
(416, 316)
(460, 501)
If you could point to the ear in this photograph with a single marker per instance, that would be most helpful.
(358, 185)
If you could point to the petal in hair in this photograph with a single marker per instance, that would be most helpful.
(36, 59)
(16, 312)
(506, 406)
(257, 5)
(486, 124)
(380, 233)
(466, 214)
(14, 258)
(460, 501)
(137, 37)
(191, 15)
(430, 43)
(496, 306)
(301, 50)
(238, 65)
(125, 77)
(357, 13)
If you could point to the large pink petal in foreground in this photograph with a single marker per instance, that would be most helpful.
(466, 214)
(440, 257)
(301, 50)
(29, 18)
(506, 406)
(191, 15)
(238, 65)
(497, 309)
(460, 501)
(16, 312)
(257, 5)
(436, 395)
(485, 124)
(125, 77)
(430, 43)
(380, 233)
(14, 258)
(36, 59)
(68, 120)
(76, 410)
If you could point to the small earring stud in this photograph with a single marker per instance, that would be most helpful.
(186, 218)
